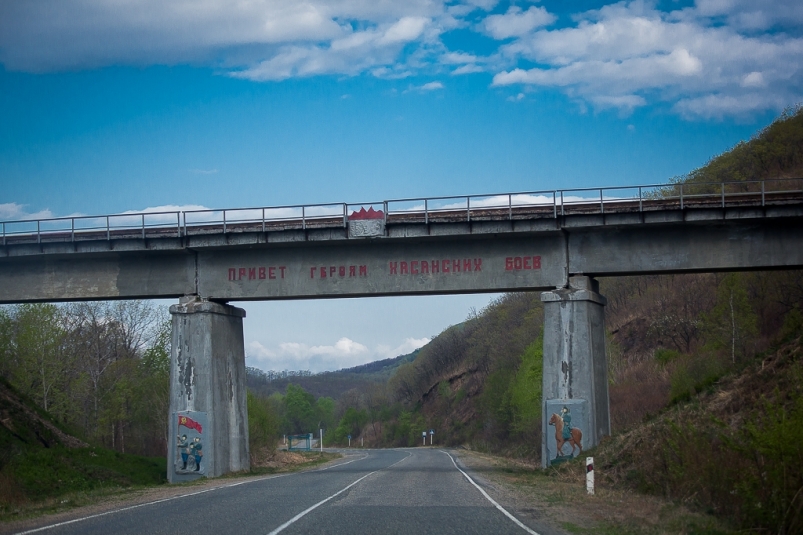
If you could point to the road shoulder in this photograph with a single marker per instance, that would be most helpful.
(559, 503)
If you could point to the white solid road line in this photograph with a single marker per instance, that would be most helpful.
(504, 511)
(73, 521)
(341, 491)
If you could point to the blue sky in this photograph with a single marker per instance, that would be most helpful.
(107, 107)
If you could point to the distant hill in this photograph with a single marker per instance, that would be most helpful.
(330, 384)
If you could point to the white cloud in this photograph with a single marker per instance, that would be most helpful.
(515, 23)
(467, 69)
(345, 353)
(13, 212)
(429, 86)
(628, 55)
(350, 54)
(624, 55)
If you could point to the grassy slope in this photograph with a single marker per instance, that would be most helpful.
(38, 460)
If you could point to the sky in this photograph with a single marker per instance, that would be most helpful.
(110, 106)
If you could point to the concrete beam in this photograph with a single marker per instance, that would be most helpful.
(682, 248)
(112, 275)
(411, 259)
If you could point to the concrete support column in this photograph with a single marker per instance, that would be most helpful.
(207, 391)
(575, 369)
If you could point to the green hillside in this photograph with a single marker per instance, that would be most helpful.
(40, 461)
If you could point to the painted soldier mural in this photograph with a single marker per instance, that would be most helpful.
(189, 452)
(197, 452)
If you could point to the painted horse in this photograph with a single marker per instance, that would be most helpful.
(575, 438)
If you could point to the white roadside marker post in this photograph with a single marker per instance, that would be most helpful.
(590, 475)
(424, 436)
(320, 436)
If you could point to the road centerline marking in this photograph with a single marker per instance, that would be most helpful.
(308, 510)
(487, 497)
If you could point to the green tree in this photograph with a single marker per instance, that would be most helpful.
(263, 423)
(299, 411)
(41, 366)
(732, 325)
(325, 412)
(6, 342)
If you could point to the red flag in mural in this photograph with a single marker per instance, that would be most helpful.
(186, 421)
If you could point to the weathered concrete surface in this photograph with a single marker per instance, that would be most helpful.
(96, 276)
(575, 364)
(207, 374)
(679, 248)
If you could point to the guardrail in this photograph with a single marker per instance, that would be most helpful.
(497, 206)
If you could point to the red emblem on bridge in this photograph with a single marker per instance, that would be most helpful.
(367, 223)
(364, 214)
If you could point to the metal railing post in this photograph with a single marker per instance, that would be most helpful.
(345, 215)
(722, 187)
(510, 206)
(762, 193)
(640, 207)
(554, 205)
(183, 217)
(681, 196)
(143, 226)
(263, 220)
(4, 234)
(601, 204)
(426, 212)
(38, 233)
(385, 209)
(562, 210)
(224, 221)
(72, 229)
(108, 231)
(303, 218)
(468, 209)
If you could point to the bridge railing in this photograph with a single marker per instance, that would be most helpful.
(196, 222)
(76, 228)
(495, 206)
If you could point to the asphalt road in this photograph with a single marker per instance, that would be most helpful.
(374, 491)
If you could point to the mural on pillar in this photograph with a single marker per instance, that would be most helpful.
(189, 446)
(567, 419)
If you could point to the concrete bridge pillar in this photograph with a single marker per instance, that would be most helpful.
(575, 367)
(207, 391)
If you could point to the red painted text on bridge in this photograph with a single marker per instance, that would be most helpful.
(434, 267)
(257, 273)
(331, 272)
(517, 263)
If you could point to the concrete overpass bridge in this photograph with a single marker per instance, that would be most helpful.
(555, 241)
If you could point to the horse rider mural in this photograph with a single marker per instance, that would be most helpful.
(566, 414)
